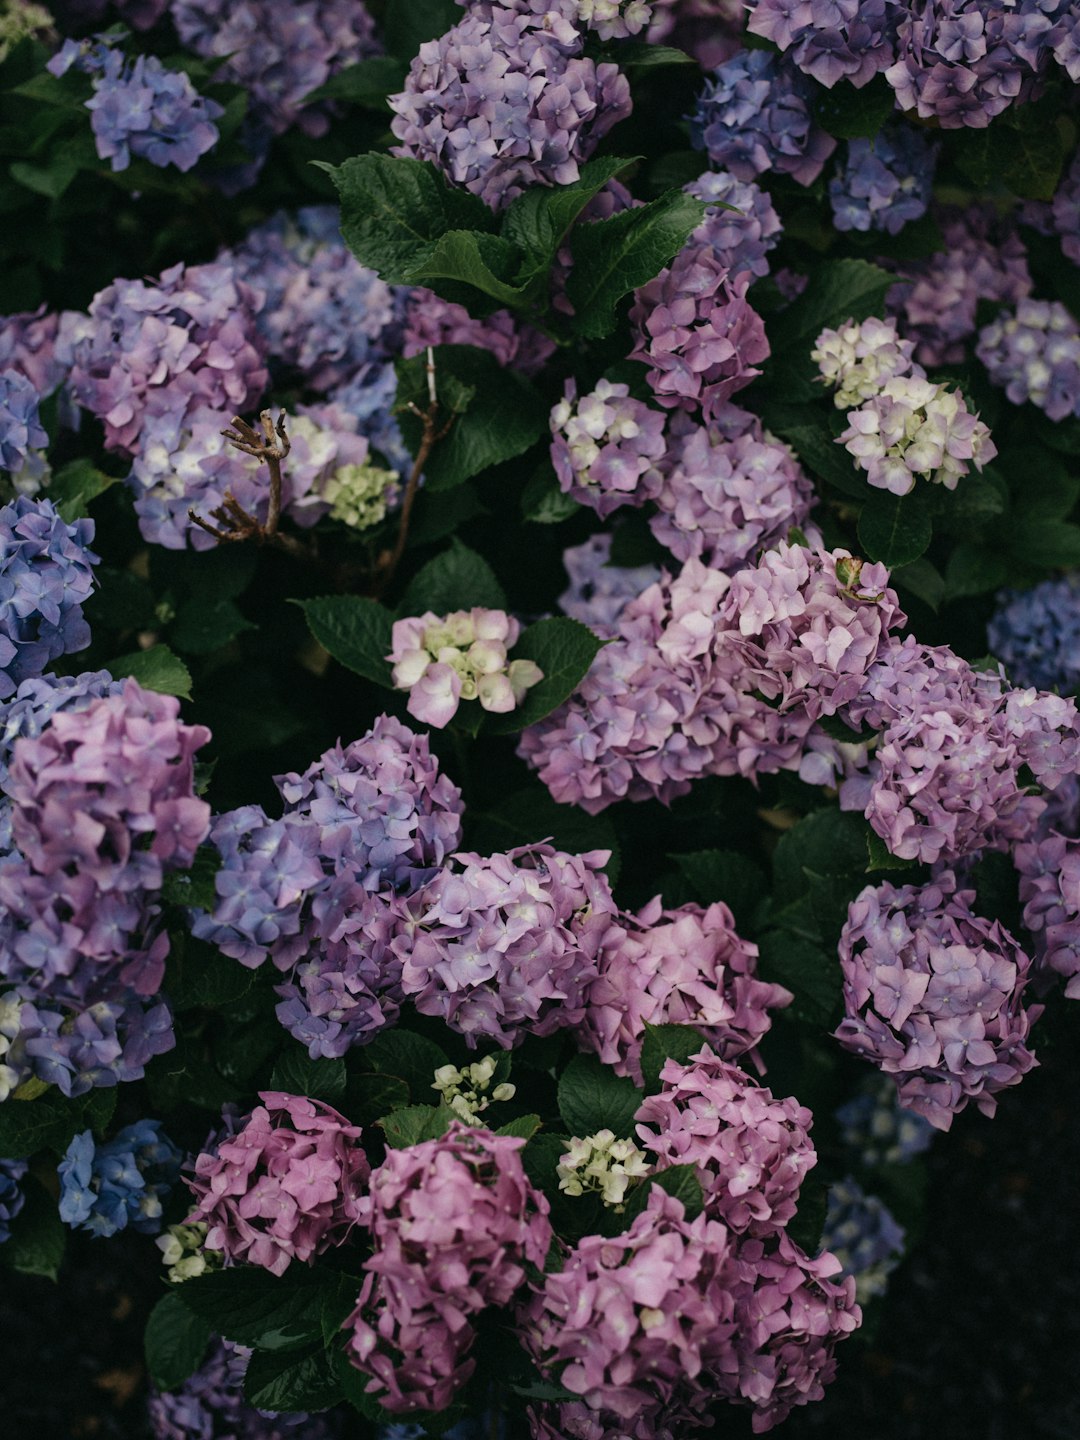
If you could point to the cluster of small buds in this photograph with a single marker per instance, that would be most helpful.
(1049, 870)
(287, 1185)
(466, 1090)
(742, 237)
(1034, 354)
(1036, 634)
(601, 1164)
(430, 320)
(453, 1223)
(614, 19)
(360, 496)
(46, 576)
(861, 357)
(12, 1195)
(605, 447)
(141, 109)
(677, 967)
(21, 431)
(106, 1188)
(443, 660)
(697, 332)
(884, 183)
(505, 99)
(183, 1250)
(863, 1235)
(914, 428)
(599, 591)
(506, 945)
(934, 996)
(878, 1130)
(752, 1151)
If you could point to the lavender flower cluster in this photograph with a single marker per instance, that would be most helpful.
(862, 1233)
(605, 447)
(1036, 634)
(740, 237)
(123, 1182)
(1049, 871)
(884, 183)
(1034, 354)
(21, 432)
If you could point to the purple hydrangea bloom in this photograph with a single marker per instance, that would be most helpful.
(754, 116)
(1060, 217)
(142, 14)
(599, 591)
(741, 238)
(863, 1235)
(728, 492)
(12, 1198)
(1036, 634)
(323, 316)
(884, 183)
(934, 997)
(605, 447)
(831, 40)
(752, 1151)
(507, 945)
(861, 357)
(517, 345)
(28, 345)
(697, 332)
(1034, 354)
(287, 1185)
(1065, 39)
(453, 1223)
(1049, 868)
(105, 1188)
(46, 574)
(167, 347)
(20, 424)
(676, 967)
(506, 99)
(369, 398)
(710, 30)
(81, 1047)
(878, 1130)
(913, 428)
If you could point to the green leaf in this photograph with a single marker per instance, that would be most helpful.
(367, 83)
(538, 221)
(155, 669)
(50, 1120)
(370, 1097)
(38, 1235)
(852, 114)
(614, 256)
(592, 1097)
(394, 212)
(407, 24)
(729, 876)
(74, 485)
(291, 1381)
(682, 1182)
(195, 887)
(202, 626)
(923, 580)
(457, 579)
(809, 972)
(49, 180)
(416, 1123)
(175, 1342)
(1044, 543)
(249, 1305)
(486, 262)
(663, 1043)
(201, 977)
(356, 631)
(895, 529)
(540, 1157)
(809, 1221)
(1031, 155)
(523, 1127)
(974, 570)
(123, 601)
(815, 445)
(412, 1058)
(297, 1074)
(641, 55)
(544, 503)
(825, 843)
(880, 857)
(528, 816)
(354, 1385)
(564, 649)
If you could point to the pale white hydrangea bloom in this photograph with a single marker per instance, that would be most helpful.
(466, 1091)
(601, 1164)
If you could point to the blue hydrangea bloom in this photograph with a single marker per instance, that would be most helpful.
(884, 183)
(863, 1235)
(879, 1131)
(38, 699)
(371, 395)
(1036, 634)
(106, 1188)
(12, 1198)
(20, 425)
(109, 1042)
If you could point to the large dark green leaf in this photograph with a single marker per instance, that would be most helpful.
(174, 1342)
(592, 1097)
(249, 1305)
(564, 650)
(895, 529)
(663, 1043)
(537, 222)
(457, 579)
(291, 1381)
(356, 631)
(38, 1235)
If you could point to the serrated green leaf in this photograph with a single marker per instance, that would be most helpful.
(539, 219)
(524, 1127)
(642, 55)
(895, 529)
(50, 1120)
(592, 1097)
(663, 1043)
(370, 1097)
(203, 625)
(199, 976)
(816, 447)
(729, 876)
(564, 650)
(195, 887)
(356, 631)
(297, 1074)
(457, 579)
(826, 842)
(74, 485)
(923, 580)
(839, 290)
(974, 570)
(544, 503)
(880, 857)
(38, 1236)
(291, 1380)
(174, 1342)
(486, 262)
(155, 669)
(680, 1181)
(614, 256)
(413, 1058)
(416, 1123)
(407, 24)
(852, 114)
(249, 1305)
(811, 973)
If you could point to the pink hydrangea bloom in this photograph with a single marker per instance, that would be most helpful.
(430, 320)
(752, 1151)
(507, 945)
(453, 1223)
(286, 1186)
(443, 660)
(934, 997)
(1049, 871)
(676, 967)
(605, 447)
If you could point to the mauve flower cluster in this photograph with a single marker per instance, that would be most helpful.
(21, 431)
(863, 1235)
(167, 347)
(710, 30)
(752, 1151)
(605, 447)
(29, 710)
(741, 238)
(139, 108)
(506, 99)
(934, 997)
(1049, 869)
(754, 116)
(937, 299)
(28, 345)
(46, 575)
(728, 491)
(1034, 354)
(443, 660)
(1036, 634)
(505, 946)
(1060, 217)
(288, 1184)
(323, 315)
(453, 1223)
(697, 332)
(430, 320)
(278, 51)
(883, 183)
(676, 967)
(105, 1188)
(12, 1195)
(947, 777)
(861, 357)
(878, 1130)
(599, 591)
(847, 40)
